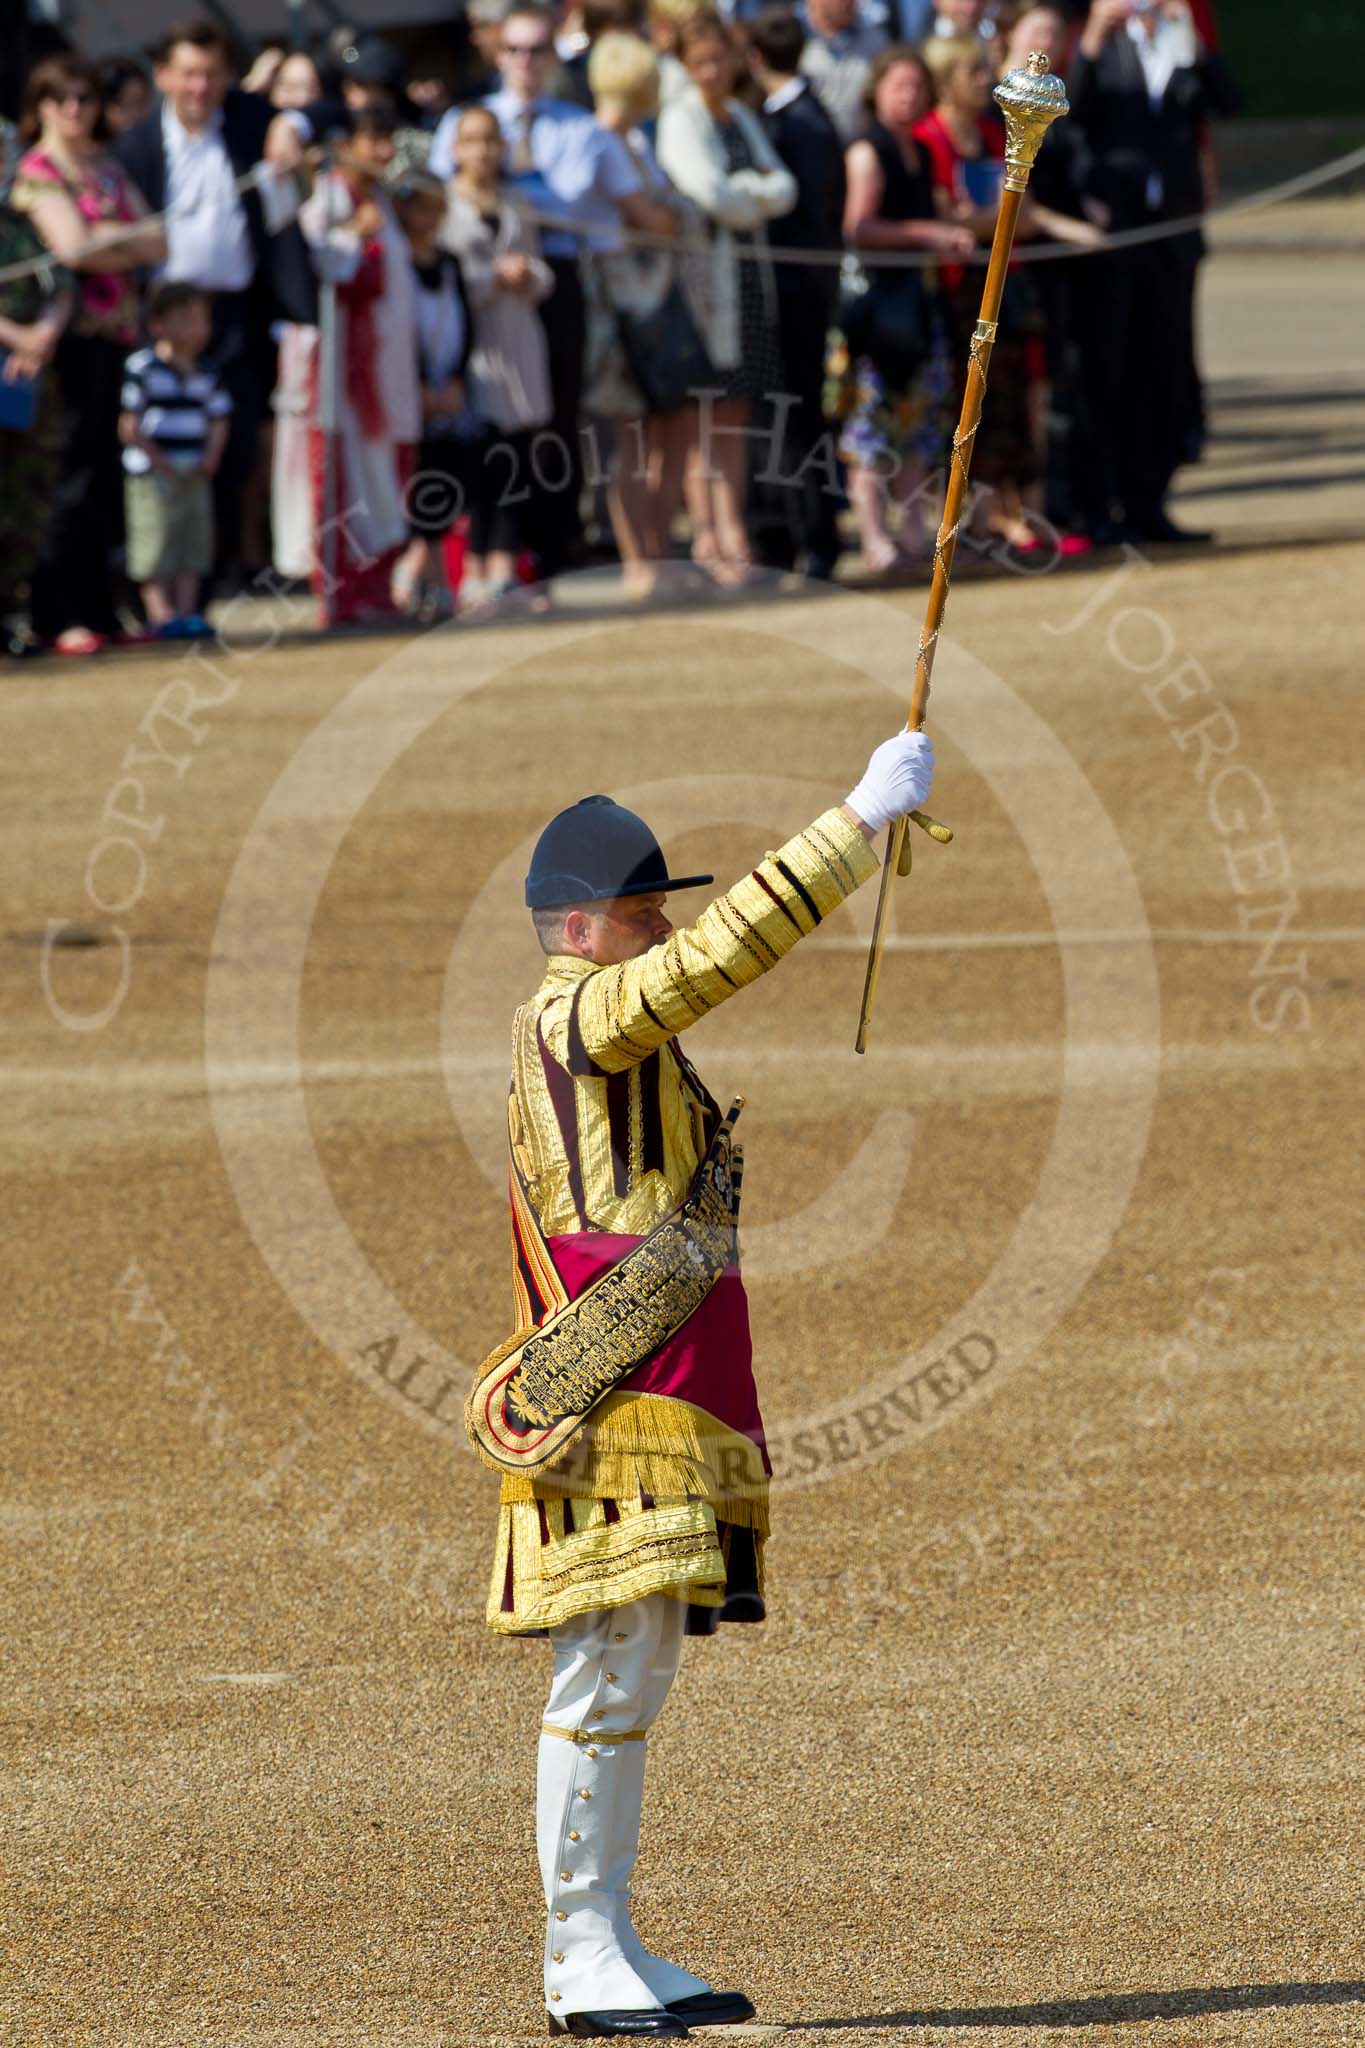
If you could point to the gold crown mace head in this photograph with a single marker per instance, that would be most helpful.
(1031, 98)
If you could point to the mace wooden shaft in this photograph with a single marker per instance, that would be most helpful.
(1030, 100)
(959, 466)
(945, 547)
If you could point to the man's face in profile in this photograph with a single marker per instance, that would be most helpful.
(620, 929)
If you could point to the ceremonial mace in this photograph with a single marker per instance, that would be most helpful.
(1030, 100)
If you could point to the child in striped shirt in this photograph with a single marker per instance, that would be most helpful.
(174, 427)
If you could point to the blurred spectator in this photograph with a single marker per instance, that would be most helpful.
(1205, 23)
(900, 21)
(371, 62)
(665, 21)
(903, 21)
(360, 525)
(231, 235)
(798, 514)
(563, 166)
(963, 139)
(34, 310)
(433, 96)
(571, 40)
(374, 75)
(967, 18)
(1058, 207)
(598, 18)
(634, 285)
(486, 18)
(125, 94)
(716, 153)
(445, 460)
(297, 83)
(891, 369)
(1142, 86)
(81, 203)
(509, 367)
(174, 428)
(838, 58)
(264, 70)
(292, 81)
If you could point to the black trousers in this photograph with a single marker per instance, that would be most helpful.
(239, 350)
(73, 580)
(556, 524)
(792, 513)
(1133, 322)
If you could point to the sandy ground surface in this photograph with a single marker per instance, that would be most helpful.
(1049, 1736)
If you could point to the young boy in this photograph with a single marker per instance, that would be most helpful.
(174, 427)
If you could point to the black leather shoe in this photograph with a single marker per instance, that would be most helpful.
(653, 2024)
(714, 2008)
(1157, 527)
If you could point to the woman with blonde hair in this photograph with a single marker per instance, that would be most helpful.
(717, 154)
(630, 285)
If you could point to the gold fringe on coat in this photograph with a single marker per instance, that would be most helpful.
(654, 1444)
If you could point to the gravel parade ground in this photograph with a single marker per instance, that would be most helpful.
(1057, 1298)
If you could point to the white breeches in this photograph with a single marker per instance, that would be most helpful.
(612, 1672)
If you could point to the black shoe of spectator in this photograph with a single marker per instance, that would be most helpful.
(820, 568)
(1158, 527)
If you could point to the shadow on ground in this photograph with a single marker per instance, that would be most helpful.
(1117, 2010)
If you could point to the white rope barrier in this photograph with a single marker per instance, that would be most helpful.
(889, 259)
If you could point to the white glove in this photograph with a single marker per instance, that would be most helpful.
(896, 780)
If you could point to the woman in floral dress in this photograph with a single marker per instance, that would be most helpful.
(894, 414)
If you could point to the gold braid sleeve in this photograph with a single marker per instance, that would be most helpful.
(627, 1012)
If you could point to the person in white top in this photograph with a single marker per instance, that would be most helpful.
(715, 151)
(358, 245)
(650, 438)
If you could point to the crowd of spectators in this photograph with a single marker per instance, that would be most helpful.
(614, 278)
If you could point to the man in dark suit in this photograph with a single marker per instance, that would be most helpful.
(796, 517)
(1142, 87)
(240, 247)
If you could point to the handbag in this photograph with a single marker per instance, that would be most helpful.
(664, 352)
(887, 320)
(18, 400)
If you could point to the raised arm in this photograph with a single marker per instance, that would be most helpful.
(626, 1012)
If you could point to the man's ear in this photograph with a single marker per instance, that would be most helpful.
(577, 931)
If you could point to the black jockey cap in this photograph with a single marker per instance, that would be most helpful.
(596, 850)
